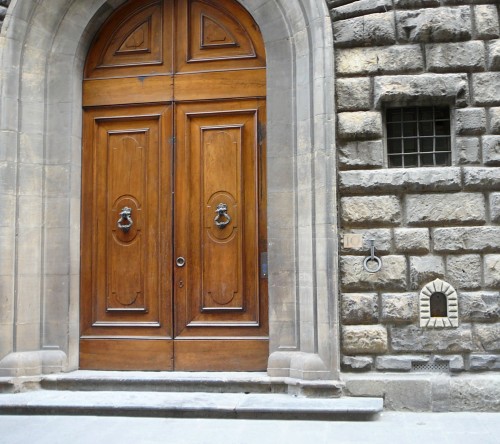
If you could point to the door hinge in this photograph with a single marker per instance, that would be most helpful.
(171, 140)
(263, 265)
(261, 133)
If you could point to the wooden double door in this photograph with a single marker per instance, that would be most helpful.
(173, 249)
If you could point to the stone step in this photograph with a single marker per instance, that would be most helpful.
(189, 405)
(210, 382)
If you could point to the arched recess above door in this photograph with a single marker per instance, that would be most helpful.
(192, 43)
(166, 36)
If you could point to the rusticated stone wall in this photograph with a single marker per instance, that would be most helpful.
(427, 223)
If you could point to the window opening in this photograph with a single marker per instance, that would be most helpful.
(439, 305)
(418, 136)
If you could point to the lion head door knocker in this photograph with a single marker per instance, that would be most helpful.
(126, 216)
(222, 219)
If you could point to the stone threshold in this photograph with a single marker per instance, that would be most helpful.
(210, 382)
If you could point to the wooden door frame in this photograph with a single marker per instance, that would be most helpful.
(303, 245)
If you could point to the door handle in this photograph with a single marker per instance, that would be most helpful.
(125, 213)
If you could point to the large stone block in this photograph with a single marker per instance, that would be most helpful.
(492, 270)
(479, 306)
(495, 207)
(494, 120)
(491, 150)
(466, 239)
(477, 178)
(470, 121)
(381, 236)
(422, 89)
(415, 339)
(412, 4)
(468, 150)
(412, 240)
(399, 396)
(358, 8)
(399, 308)
(474, 395)
(455, 362)
(359, 125)
(357, 362)
(486, 87)
(370, 211)
(464, 271)
(353, 94)
(391, 277)
(379, 60)
(484, 362)
(393, 363)
(487, 337)
(434, 25)
(361, 154)
(486, 21)
(393, 180)
(456, 57)
(494, 55)
(359, 308)
(424, 269)
(457, 208)
(373, 29)
(364, 339)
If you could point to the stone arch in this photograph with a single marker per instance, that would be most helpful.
(42, 50)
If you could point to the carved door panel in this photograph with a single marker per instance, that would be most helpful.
(126, 239)
(220, 307)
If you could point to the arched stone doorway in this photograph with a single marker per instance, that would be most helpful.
(43, 47)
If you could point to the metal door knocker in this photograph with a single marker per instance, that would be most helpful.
(372, 263)
(125, 214)
(222, 212)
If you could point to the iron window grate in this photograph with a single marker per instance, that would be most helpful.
(418, 136)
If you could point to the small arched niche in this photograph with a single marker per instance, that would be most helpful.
(438, 305)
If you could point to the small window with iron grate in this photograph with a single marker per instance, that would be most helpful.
(418, 136)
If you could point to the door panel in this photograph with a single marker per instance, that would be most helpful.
(223, 85)
(216, 35)
(136, 40)
(136, 90)
(125, 233)
(126, 354)
(217, 219)
(221, 355)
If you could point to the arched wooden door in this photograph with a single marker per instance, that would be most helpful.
(173, 190)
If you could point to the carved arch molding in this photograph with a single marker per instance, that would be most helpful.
(43, 46)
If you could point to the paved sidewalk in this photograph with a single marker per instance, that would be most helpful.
(400, 428)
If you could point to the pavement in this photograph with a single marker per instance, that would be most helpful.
(391, 427)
